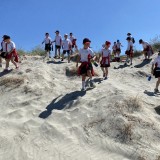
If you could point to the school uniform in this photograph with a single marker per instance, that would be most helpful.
(85, 55)
(66, 45)
(156, 62)
(118, 47)
(147, 49)
(129, 50)
(105, 62)
(11, 47)
(58, 41)
(47, 42)
(114, 48)
(3, 49)
(73, 40)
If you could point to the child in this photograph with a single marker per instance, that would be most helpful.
(58, 44)
(105, 62)
(11, 53)
(73, 41)
(129, 51)
(66, 45)
(155, 70)
(3, 50)
(118, 50)
(47, 42)
(147, 49)
(114, 49)
(85, 56)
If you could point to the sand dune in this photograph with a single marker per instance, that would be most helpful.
(44, 115)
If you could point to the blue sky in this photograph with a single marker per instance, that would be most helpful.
(26, 21)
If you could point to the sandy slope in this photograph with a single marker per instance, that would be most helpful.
(44, 115)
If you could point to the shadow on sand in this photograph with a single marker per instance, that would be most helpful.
(122, 66)
(157, 109)
(65, 101)
(55, 62)
(3, 73)
(144, 62)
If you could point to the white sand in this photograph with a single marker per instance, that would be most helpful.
(96, 125)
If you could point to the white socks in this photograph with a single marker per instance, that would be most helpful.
(83, 84)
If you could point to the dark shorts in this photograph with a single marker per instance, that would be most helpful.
(47, 47)
(105, 65)
(129, 53)
(157, 72)
(85, 68)
(118, 50)
(3, 55)
(66, 51)
(57, 47)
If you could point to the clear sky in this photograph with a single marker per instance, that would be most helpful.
(26, 21)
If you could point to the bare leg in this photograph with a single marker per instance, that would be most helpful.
(103, 71)
(83, 81)
(12, 60)
(106, 72)
(157, 83)
(7, 63)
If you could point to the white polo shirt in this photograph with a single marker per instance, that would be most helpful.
(66, 43)
(10, 46)
(72, 38)
(47, 40)
(130, 44)
(157, 60)
(118, 45)
(58, 40)
(145, 44)
(106, 52)
(84, 53)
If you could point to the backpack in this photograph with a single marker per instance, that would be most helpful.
(133, 40)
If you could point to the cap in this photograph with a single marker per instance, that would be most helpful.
(66, 34)
(56, 31)
(128, 34)
(108, 43)
(86, 40)
(140, 41)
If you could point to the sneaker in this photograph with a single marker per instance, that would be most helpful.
(105, 78)
(92, 84)
(61, 59)
(156, 90)
(83, 89)
(131, 63)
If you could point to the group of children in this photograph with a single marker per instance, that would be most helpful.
(67, 44)
(85, 55)
(8, 52)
